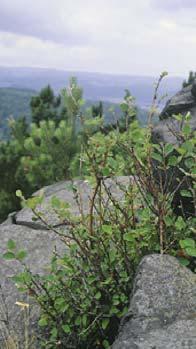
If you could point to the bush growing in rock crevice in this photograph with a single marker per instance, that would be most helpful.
(85, 294)
(86, 291)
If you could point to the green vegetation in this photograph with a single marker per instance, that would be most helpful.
(86, 292)
(46, 106)
(47, 150)
(12, 172)
(14, 103)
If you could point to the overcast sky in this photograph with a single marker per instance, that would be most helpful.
(116, 36)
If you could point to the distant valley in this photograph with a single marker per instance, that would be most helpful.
(106, 87)
(18, 85)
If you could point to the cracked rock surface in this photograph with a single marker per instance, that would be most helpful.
(162, 312)
(63, 191)
(39, 243)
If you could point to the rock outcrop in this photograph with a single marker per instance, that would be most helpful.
(165, 131)
(182, 103)
(63, 191)
(39, 242)
(162, 312)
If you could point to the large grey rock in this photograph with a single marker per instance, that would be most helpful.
(64, 192)
(39, 244)
(162, 312)
(182, 103)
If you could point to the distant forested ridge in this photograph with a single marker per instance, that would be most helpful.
(18, 85)
(14, 103)
(96, 86)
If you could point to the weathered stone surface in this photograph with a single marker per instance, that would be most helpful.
(63, 191)
(162, 312)
(163, 301)
(40, 244)
(183, 102)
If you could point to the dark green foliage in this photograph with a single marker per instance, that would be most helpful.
(97, 110)
(13, 103)
(49, 150)
(41, 153)
(12, 174)
(46, 106)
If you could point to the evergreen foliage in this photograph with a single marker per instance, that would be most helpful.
(46, 106)
(12, 174)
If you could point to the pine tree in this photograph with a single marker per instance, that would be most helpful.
(46, 106)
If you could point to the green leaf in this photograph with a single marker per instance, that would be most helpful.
(105, 323)
(178, 117)
(191, 251)
(84, 320)
(168, 149)
(78, 321)
(184, 261)
(33, 202)
(11, 245)
(55, 202)
(54, 332)
(157, 157)
(187, 243)
(129, 236)
(186, 193)
(19, 193)
(106, 171)
(112, 255)
(43, 322)
(124, 107)
(106, 344)
(21, 255)
(9, 255)
(173, 160)
(180, 224)
(98, 295)
(186, 129)
(66, 329)
(168, 221)
(107, 229)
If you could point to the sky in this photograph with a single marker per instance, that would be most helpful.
(140, 37)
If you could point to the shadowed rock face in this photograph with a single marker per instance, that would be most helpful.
(162, 312)
(183, 102)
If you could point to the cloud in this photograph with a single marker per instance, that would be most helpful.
(118, 36)
(40, 19)
(174, 5)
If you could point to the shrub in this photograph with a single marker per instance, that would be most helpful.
(86, 293)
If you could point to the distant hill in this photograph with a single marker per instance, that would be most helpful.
(13, 103)
(18, 85)
(106, 87)
(16, 102)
